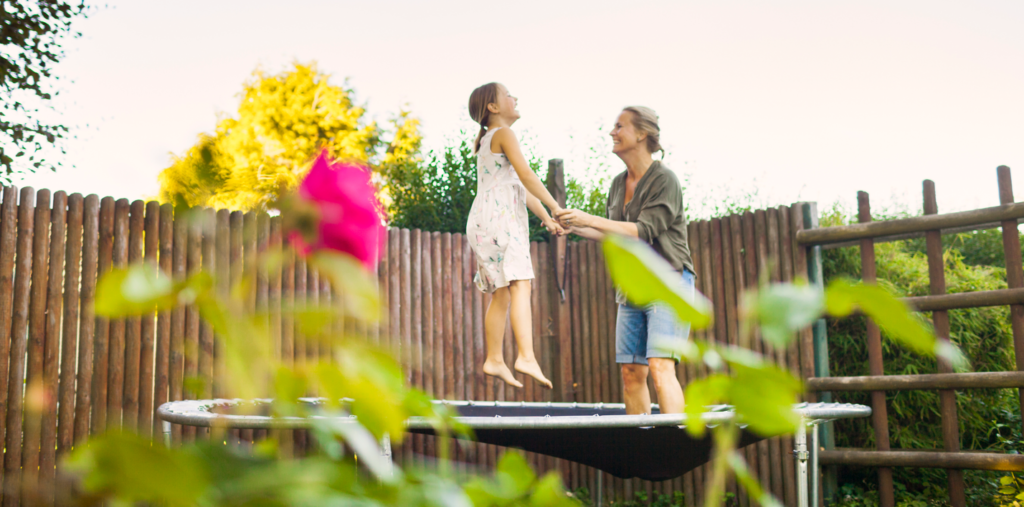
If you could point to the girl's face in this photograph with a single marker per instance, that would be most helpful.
(505, 105)
(625, 137)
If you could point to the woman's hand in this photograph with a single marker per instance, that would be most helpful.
(574, 218)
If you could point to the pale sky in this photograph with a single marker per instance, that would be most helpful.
(800, 100)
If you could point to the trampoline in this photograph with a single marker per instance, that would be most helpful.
(653, 447)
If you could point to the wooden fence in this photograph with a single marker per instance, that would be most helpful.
(932, 226)
(66, 374)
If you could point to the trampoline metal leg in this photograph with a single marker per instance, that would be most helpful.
(801, 457)
(600, 488)
(815, 468)
(166, 426)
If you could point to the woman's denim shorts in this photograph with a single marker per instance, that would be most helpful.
(652, 331)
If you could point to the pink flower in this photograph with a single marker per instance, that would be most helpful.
(346, 212)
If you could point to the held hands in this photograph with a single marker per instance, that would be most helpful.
(551, 223)
(573, 218)
(554, 228)
(567, 221)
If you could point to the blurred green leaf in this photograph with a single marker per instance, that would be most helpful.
(750, 483)
(514, 465)
(761, 393)
(514, 483)
(313, 321)
(698, 395)
(440, 416)
(374, 382)
(645, 277)
(764, 397)
(139, 471)
(289, 386)
(133, 290)
(245, 345)
(548, 492)
(356, 287)
(432, 491)
(891, 314)
(195, 386)
(782, 309)
(137, 289)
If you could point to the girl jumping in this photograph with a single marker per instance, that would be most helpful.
(498, 230)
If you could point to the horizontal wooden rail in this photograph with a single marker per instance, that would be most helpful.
(889, 229)
(975, 380)
(912, 235)
(924, 459)
(962, 300)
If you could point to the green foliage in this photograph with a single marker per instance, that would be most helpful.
(761, 393)
(137, 470)
(1011, 491)
(514, 484)
(979, 248)
(640, 499)
(855, 496)
(984, 338)
(359, 380)
(283, 121)
(891, 315)
(436, 194)
(778, 326)
(31, 34)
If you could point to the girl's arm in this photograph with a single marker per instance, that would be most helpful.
(509, 145)
(550, 224)
(535, 206)
(576, 218)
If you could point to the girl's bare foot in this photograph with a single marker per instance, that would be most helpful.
(531, 368)
(498, 369)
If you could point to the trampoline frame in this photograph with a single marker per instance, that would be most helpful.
(198, 413)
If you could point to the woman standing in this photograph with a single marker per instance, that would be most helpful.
(646, 202)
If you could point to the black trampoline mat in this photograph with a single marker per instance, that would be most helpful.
(652, 453)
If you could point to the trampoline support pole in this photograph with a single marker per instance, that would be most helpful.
(600, 488)
(815, 465)
(167, 433)
(801, 457)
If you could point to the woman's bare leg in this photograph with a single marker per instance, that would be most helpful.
(494, 337)
(666, 383)
(522, 328)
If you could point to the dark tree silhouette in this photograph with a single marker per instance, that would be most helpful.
(31, 37)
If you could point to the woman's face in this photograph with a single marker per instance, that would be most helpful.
(625, 137)
(506, 104)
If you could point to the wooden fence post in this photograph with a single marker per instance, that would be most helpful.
(1014, 269)
(940, 321)
(879, 414)
(556, 185)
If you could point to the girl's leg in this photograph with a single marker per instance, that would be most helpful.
(522, 328)
(494, 337)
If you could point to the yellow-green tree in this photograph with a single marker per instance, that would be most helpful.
(283, 120)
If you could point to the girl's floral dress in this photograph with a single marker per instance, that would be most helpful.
(498, 229)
